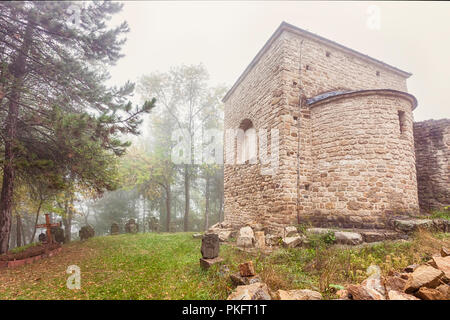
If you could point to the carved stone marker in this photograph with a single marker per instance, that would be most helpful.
(114, 228)
(210, 246)
(131, 226)
(86, 232)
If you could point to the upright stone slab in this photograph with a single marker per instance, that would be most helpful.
(86, 232)
(114, 229)
(210, 246)
(131, 226)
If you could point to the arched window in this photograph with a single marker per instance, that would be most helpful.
(247, 142)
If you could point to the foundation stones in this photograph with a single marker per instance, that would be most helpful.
(350, 238)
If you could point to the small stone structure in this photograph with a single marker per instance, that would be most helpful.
(343, 123)
(114, 229)
(131, 226)
(58, 234)
(86, 232)
(210, 250)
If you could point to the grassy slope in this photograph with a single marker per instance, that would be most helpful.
(165, 266)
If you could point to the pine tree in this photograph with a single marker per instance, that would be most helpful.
(58, 115)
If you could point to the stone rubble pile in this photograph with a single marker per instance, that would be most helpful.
(429, 281)
(250, 287)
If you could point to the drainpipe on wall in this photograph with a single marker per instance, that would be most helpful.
(298, 129)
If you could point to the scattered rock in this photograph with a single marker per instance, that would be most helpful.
(350, 238)
(292, 242)
(342, 294)
(411, 268)
(444, 289)
(272, 239)
(373, 236)
(207, 263)
(86, 232)
(290, 231)
(197, 236)
(246, 237)
(255, 291)
(246, 269)
(210, 246)
(114, 229)
(260, 240)
(443, 264)
(397, 295)
(304, 294)
(425, 293)
(358, 292)
(238, 280)
(224, 235)
(423, 276)
(410, 225)
(394, 283)
(445, 252)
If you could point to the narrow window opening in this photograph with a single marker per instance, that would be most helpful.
(378, 73)
(401, 121)
(328, 54)
(307, 67)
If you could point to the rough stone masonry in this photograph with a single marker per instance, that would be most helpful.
(346, 139)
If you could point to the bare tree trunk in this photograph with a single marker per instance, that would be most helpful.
(18, 231)
(186, 197)
(207, 203)
(168, 200)
(36, 220)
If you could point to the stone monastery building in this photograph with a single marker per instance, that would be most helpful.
(346, 151)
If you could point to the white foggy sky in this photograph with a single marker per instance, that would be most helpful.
(226, 35)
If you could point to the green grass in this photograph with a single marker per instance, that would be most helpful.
(23, 248)
(166, 266)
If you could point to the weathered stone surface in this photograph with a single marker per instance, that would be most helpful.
(342, 294)
(210, 246)
(425, 293)
(260, 240)
(444, 289)
(246, 237)
(359, 292)
(304, 294)
(443, 264)
(207, 263)
(255, 291)
(432, 158)
(114, 229)
(86, 232)
(350, 238)
(373, 236)
(224, 235)
(239, 280)
(411, 268)
(397, 295)
(394, 283)
(319, 231)
(423, 276)
(273, 240)
(410, 225)
(246, 269)
(292, 242)
(445, 252)
(290, 231)
(131, 226)
(197, 236)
